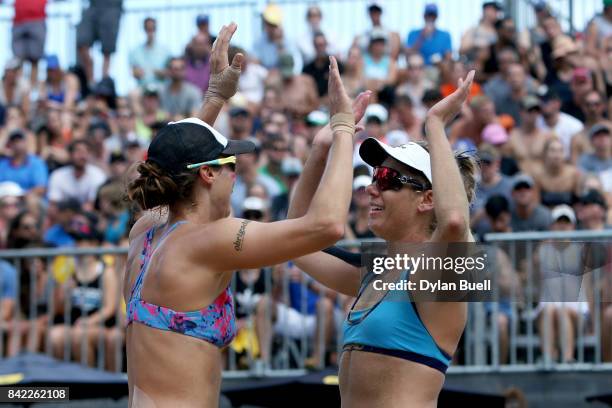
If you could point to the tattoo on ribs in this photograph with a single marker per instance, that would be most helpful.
(240, 235)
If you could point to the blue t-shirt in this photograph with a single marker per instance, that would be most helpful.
(437, 43)
(296, 293)
(589, 162)
(32, 173)
(8, 280)
(57, 236)
(117, 228)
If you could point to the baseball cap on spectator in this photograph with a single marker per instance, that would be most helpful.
(550, 95)
(522, 181)
(540, 5)
(376, 111)
(397, 138)
(52, 61)
(581, 74)
(272, 14)
(132, 144)
(507, 121)
(374, 152)
(117, 157)
(253, 207)
(361, 182)
(464, 144)
(487, 153)
(478, 101)
(599, 129)
(150, 90)
(99, 124)
(375, 6)
(291, 166)
(10, 189)
(496, 205)
(317, 118)
(202, 19)
(286, 65)
(238, 105)
(495, 4)
(593, 197)
(106, 87)
(563, 211)
(431, 9)
(13, 63)
(238, 111)
(254, 203)
(530, 102)
(377, 34)
(191, 141)
(494, 134)
(563, 46)
(69, 204)
(82, 228)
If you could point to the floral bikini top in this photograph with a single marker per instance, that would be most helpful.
(215, 323)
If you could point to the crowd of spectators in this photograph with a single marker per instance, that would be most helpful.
(537, 119)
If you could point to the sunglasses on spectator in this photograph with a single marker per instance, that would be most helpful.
(278, 149)
(28, 226)
(387, 178)
(9, 203)
(230, 161)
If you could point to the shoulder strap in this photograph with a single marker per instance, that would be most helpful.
(148, 252)
(144, 261)
(169, 230)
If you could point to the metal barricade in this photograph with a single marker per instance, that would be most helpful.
(532, 316)
(285, 312)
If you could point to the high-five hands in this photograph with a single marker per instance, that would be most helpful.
(449, 107)
(339, 102)
(223, 82)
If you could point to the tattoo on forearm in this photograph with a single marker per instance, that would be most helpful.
(240, 235)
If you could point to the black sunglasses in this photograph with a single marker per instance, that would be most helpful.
(387, 178)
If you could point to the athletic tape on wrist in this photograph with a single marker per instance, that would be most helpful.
(222, 86)
(343, 122)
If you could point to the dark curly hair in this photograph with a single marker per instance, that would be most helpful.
(155, 187)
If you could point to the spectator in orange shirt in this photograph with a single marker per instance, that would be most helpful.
(455, 71)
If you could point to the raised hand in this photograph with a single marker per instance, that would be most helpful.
(224, 77)
(360, 104)
(449, 107)
(339, 102)
(324, 137)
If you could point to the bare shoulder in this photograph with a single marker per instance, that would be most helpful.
(207, 236)
(537, 174)
(148, 220)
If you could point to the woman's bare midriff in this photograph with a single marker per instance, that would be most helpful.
(173, 370)
(376, 380)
